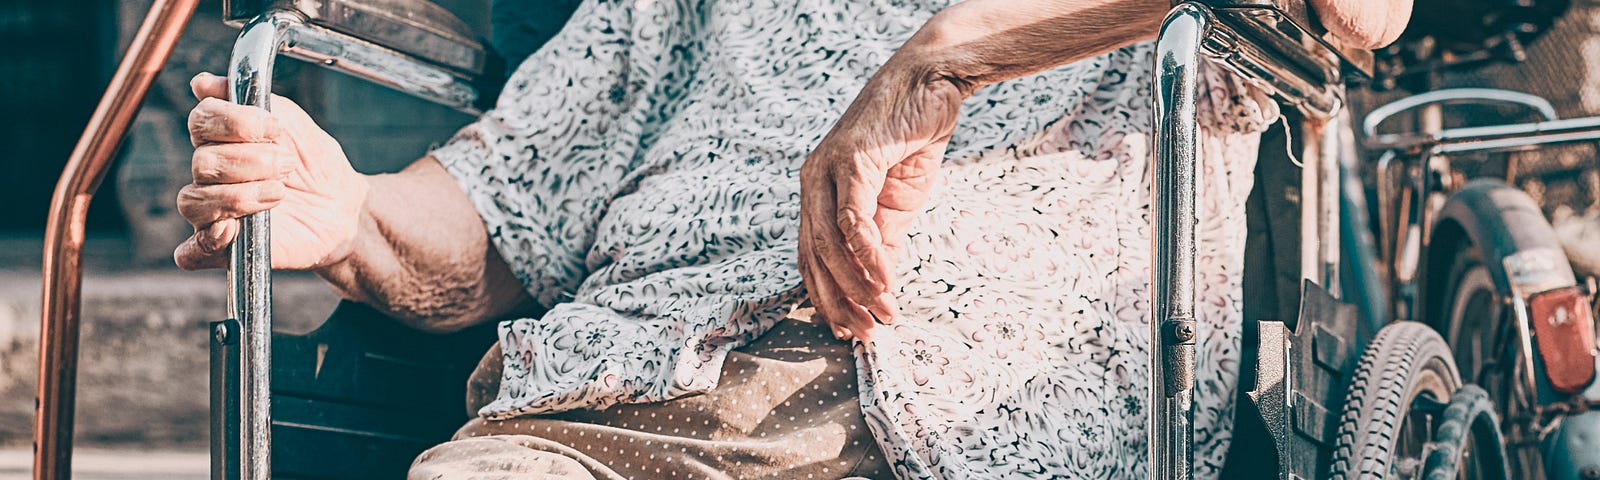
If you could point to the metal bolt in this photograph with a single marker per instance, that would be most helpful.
(1183, 331)
(220, 333)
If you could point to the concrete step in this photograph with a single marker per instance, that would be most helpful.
(143, 361)
(102, 464)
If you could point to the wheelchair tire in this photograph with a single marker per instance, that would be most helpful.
(1467, 442)
(1407, 370)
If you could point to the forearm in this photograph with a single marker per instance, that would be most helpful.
(980, 42)
(421, 254)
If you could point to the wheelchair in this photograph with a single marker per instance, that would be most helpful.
(1466, 330)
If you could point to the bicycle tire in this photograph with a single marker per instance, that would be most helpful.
(1405, 360)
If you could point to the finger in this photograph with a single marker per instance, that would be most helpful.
(223, 163)
(848, 319)
(865, 242)
(906, 187)
(820, 297)
(206, 204)
(891, 305)
(207, 85)
(829, 245)
(208, 247)
(853, 320)
(894, 225)
(216, 120)
(814, 291)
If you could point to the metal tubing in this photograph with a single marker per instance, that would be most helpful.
(1519, 136)
(1482, 96)
(1174, 190)
(250, 268)
(1270, 70)
(1332, 139)
(63, 241)
(1495, 138)
(381, 65)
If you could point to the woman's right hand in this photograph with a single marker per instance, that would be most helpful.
(247, 160)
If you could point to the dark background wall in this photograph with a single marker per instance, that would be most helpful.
(54, 67)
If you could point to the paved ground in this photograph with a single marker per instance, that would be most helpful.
(143, 359)
(96, 464)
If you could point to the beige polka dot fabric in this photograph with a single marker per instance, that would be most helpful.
(786, 408)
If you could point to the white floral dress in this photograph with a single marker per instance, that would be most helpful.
(639, 175)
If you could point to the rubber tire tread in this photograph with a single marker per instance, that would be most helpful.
(1377, 401)
(1469, 415)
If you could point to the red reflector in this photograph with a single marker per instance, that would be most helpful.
(1563, 326)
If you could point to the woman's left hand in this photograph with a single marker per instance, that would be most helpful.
(862, 185)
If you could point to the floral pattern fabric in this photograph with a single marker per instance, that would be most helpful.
(640, 176)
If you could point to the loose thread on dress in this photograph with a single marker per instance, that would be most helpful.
(1288, 142)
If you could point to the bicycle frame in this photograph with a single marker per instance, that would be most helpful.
(1418, 166)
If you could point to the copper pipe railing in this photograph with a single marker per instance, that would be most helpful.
(63, 238)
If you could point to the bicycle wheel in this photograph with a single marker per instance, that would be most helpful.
(1467, 444)
(1480, 331)
(1402, 383)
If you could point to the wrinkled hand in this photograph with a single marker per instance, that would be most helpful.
(248, 160)
(861, 187)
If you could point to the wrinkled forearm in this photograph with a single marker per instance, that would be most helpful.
(980, 42)
(422, 255)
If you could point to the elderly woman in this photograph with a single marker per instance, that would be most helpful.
(663, 177)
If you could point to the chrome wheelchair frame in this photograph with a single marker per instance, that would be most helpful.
(1272, 45)
(1300, 364)
(426, 52)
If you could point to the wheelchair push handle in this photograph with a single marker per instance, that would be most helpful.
(241, 386)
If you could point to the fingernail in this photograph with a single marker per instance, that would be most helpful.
(891, 306)
(840, 333)
(213, 236)
(201, 77)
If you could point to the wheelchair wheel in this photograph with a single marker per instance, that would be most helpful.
(1400, 388)
(1479, 329)
(1467, 443)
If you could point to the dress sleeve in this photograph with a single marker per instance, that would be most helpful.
(536, 166)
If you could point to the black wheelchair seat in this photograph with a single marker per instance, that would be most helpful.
(362, 395)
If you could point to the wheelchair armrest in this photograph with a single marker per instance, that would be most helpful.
(420, 29)
(1293, 20)
(362, 395)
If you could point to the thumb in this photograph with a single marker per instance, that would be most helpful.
(206, 85)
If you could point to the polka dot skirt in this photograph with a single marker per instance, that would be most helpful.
(786, 408)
